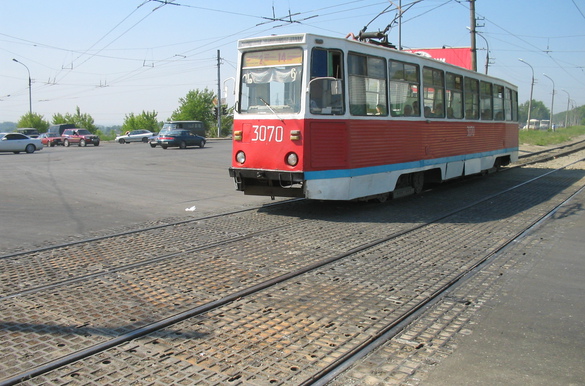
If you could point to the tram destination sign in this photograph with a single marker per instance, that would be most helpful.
(282, 57)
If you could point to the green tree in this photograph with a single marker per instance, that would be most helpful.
(144, 121)
(33, 120)
(227, 121)
(197, 105)
(539, 111)
(79, 120)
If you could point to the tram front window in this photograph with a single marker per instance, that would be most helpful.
(271, 81)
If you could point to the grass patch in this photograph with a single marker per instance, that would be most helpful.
(544, 138)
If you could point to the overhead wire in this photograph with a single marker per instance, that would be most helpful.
(535, 48)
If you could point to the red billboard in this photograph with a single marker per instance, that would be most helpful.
(460, 56)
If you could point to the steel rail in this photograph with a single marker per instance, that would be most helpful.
(571, 149)
(146, 262)
(49, 366)
(398, 325)
(180, 222)
(563, 150)
(139, 230)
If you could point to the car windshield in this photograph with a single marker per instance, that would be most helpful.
(83, 132)
(174, 132)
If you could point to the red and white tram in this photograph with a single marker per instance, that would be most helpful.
(339, 119)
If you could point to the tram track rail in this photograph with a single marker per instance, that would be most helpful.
(526, 159)
(551, 153)
(235, 296)
(396, 327)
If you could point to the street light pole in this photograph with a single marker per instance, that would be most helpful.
(29, 87)
(552, 103)
(487, 55)
(568, 100)
(472, 23)
(531, 89)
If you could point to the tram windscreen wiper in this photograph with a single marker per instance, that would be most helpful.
(271, 109)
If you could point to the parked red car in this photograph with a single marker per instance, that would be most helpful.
(51, 139)
(81, 137)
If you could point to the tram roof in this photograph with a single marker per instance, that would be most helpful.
(321, 40)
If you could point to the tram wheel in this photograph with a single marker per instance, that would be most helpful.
(382, 197)
(418, 181)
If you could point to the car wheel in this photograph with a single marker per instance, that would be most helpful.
(182, 145)
(202, 144)
(30, 148)
(66, 143)
(82, 142)
(97, 143)
(52, 144)
(144, 140)
(121, 141)
(164, 146)
(153, 145)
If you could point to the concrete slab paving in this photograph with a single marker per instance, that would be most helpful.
(533, 331)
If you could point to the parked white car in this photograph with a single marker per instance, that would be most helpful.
(134, 136)
(16, 142)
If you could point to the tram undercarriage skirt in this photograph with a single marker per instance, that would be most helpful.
(268, 183)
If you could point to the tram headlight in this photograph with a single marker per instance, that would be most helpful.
(240, 157)
(292, 159)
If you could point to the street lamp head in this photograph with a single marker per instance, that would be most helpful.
(14, 60)
(528, 64)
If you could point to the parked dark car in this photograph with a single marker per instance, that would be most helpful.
(59, 129)
(196, 127)
(81, 137)
(51, 139)
(180, 139)
(28, 131)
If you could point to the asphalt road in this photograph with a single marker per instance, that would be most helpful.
(61, 193)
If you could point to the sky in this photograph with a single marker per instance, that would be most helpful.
(112, 58)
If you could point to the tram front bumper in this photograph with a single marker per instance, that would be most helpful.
(268, 182)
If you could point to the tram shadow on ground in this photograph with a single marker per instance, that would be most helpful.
(469, 200)
(96, 330)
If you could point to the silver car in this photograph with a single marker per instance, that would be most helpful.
(16, 142)
(134, 136)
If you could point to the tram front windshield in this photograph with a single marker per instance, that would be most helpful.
(271, 81)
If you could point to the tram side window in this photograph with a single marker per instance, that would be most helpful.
(471, 92)
(454, 96)
(514, 102)
(367, 85)
(404, 86)
(485, 100)
(433, 93)
(507, 104)
(499, 99)
(326, 93)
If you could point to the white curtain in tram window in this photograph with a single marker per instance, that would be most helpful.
(398, 93)
(267, 75)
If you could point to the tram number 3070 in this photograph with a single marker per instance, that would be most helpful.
(268, 133)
